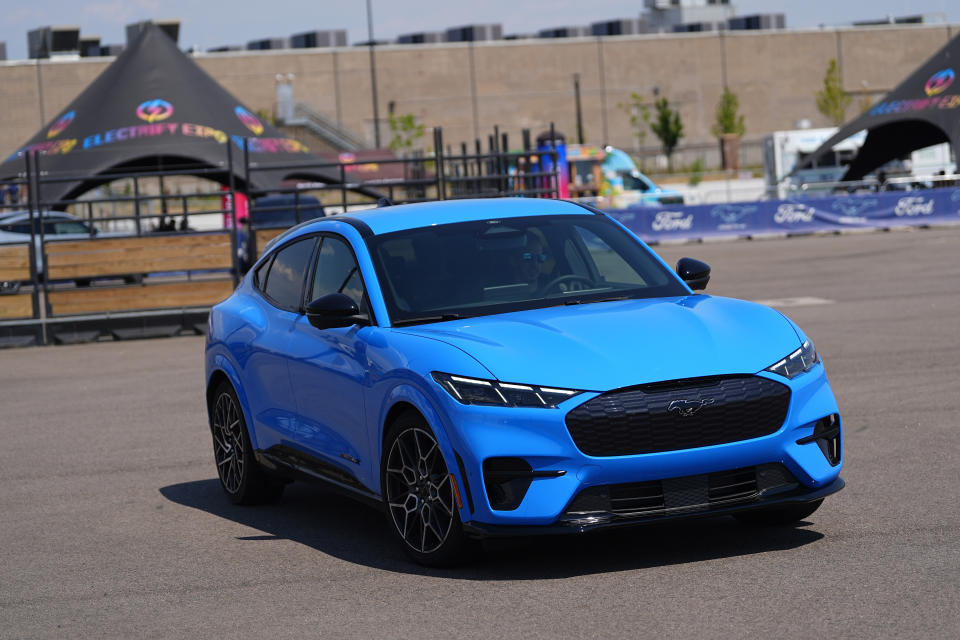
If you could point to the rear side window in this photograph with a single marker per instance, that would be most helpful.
(284, 281)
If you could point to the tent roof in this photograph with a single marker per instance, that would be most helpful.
(154, 108)
(923, 110)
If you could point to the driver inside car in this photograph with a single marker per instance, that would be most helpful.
(527, 262)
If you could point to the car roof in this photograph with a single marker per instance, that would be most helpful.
(23, 214)
(424, 214)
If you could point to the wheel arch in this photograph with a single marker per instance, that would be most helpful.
(220, 370)
(406, 397)
(216, 378)
(393, 414)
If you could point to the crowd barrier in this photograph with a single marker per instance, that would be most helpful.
(797, 216)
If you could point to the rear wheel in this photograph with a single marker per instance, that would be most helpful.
(419, 495)
(778, 515)
(242, 479)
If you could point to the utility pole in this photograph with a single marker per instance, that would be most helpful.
(576, 95)
(373, 77)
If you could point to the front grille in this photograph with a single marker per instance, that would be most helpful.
(730, 485)
(681, 414)
(688, 493)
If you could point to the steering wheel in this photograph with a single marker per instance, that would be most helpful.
(571, 278)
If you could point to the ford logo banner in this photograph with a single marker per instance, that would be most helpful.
(786, 217)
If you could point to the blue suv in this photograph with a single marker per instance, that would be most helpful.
(511, 366)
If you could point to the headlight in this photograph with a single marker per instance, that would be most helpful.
(798, 362)
(501, 394)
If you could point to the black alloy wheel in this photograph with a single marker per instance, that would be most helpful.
(241, 477)
(419, 495)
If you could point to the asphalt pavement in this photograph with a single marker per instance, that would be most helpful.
(112, 522)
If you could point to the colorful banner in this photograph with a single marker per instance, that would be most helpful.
(879, 210)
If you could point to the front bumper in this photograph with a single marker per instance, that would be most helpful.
(559, 472)
(601, 521)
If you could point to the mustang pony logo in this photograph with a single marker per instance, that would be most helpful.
(57, 127)
(852, 207)
(939, 82)
(730, 213)
(249, 120)
(688, 407)
(154, 110)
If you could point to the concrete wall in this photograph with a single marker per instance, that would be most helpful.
(469, 88)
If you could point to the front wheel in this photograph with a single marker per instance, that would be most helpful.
(419, 495)
(779, 514)
(242, 479)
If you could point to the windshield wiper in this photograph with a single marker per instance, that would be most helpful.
(425, 319)
(582, 301)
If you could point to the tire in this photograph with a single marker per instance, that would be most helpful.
(242, 479)
(779, 515)
(134, 278)
(82, 282)
(419, 497)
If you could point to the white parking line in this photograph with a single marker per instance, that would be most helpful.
(803, 301)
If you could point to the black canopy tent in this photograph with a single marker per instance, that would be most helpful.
(923, 110)
(154, 109)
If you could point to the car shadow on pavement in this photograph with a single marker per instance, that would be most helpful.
(350, 531)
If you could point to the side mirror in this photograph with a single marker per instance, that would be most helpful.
(334, 310)
(695, 273)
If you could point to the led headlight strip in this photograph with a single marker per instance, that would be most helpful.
(800, 361)
(501, 394)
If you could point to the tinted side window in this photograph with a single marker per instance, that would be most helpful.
(337, 272)
(285, 280)
(59, 227)
(18, 227)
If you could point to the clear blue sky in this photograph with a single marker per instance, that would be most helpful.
(209, 23)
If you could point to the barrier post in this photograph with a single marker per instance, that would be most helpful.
(234, 237)
(498, 159)
(478, 185)
(252, 249)
(37, 214)
(32, 251)
(555, 174)
(505, 150)
(439, 160)
(136, 206)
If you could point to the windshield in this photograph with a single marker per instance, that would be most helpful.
(468, 269)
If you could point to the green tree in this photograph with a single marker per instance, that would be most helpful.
(639, 113)
(404, 131)
(668, 127)
(832, 100)
(266, 115)
(728, 120)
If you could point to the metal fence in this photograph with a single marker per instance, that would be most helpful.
(202, 214)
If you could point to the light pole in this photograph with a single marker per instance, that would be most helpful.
(576, 98)
(373, 77)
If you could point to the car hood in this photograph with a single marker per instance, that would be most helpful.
(606, 345)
